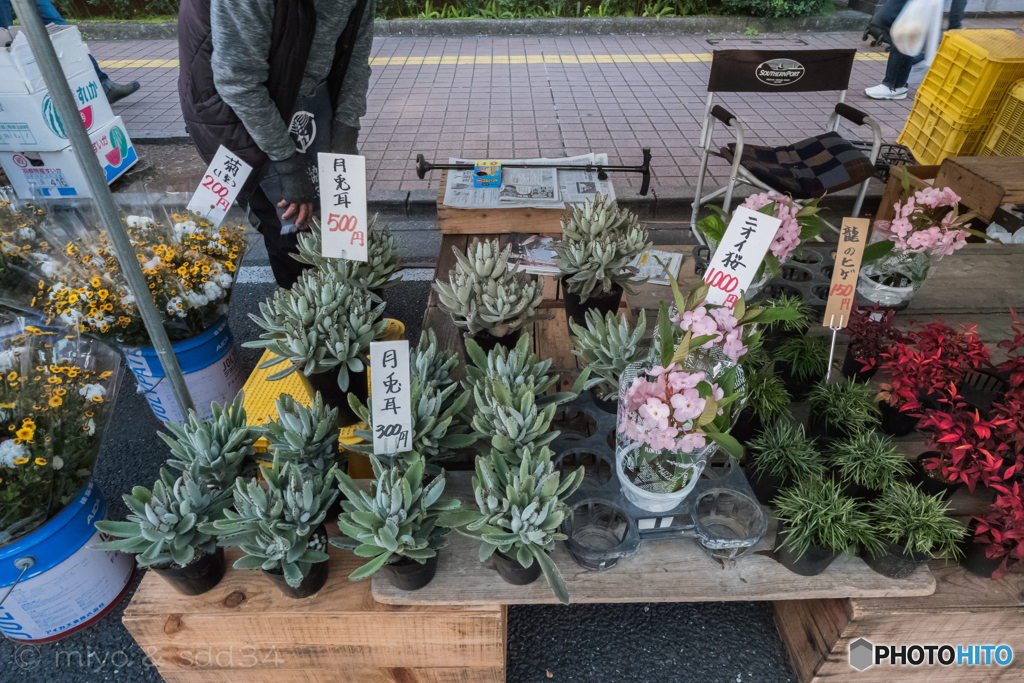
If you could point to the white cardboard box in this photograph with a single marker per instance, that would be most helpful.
(30, 122)
(57, 174)
(19, 72)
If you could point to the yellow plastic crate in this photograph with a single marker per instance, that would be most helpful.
(932, 136)
(971, 72)
(1006, 133)
(260, 393)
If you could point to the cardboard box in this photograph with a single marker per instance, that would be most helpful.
(57, 174)
(30, 122)
(19, 72)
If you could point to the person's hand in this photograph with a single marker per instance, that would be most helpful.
(296, 189)
(344, 139)
(300, 214)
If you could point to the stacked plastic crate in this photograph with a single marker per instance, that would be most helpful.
(957, 101)
(1006, 135)
(34, 149)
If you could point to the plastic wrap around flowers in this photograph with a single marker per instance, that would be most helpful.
(927, 222)
(665, 408)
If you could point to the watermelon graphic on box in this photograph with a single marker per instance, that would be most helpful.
(115, 150)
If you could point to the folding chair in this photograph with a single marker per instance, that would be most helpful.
(807, 169)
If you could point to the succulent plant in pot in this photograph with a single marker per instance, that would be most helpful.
(839, 409)
(519, 511)
(215, 449)
(280, 529)
(321, 328)
(377, 273)
(780, 456)
(817, 524)
(801, 361)
(870, 330)
(305, 436)
(395, 523)
(485, 299)
(432, 364)
(599, 241)
(765, 400)
(867, 464)
(163, 531)
(607, 345)
(913, 527)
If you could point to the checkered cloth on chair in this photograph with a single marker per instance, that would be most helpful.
(806, 169)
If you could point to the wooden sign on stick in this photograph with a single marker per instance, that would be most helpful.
(842, 294)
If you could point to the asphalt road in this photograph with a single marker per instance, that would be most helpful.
(640, 643)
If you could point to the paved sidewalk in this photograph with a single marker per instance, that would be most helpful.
(527, 96)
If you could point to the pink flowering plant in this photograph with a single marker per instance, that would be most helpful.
(799, 224)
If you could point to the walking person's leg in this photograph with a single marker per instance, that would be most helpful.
(6, 14)
(897, 69)
(957, 9)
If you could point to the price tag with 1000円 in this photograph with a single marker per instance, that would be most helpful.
(739, 255)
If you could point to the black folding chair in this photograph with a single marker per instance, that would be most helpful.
(807, 169)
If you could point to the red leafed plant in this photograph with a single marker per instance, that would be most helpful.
(1013, 366)
(970, 447)
(871, 330)
(1001, 529)
(927, 360)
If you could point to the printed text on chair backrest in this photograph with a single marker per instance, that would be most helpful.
(780, 70)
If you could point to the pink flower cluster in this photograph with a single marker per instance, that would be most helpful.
(788, 236)
(662, 413)
(719, 322)
(940, 238)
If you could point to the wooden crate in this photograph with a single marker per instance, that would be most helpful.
(245, 629)
(452, 221)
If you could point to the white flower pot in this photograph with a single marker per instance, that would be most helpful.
(647, 496)
(884, 294)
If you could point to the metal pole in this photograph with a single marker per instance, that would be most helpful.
(60, 93)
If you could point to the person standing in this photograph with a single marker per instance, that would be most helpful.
(276, 82)
(49, 14)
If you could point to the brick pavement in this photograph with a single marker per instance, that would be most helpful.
(528, 96)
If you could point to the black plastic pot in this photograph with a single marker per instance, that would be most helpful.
(488, 341)
(747, 426)
(823, 431)
(198, 577)
(602, 303)
(311, 583)
(895, 562)
(931, 485)
(814, 561)
(611, 407)
(854, 369)
(327, 384)
(410, 575)
(894, 422)
(512, 572)
(980, 389)
(797, 388)
(765, 486)
(974, 559)
(862, 492)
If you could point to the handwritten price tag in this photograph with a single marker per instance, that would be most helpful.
(391, 397)
(221, 183)
(842, 294)
(739, 255)
(343, 206)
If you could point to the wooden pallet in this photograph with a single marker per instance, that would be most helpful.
(452, 221)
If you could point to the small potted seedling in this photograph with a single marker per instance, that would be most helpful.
(867, 464)
(599, 241)
(607, 345)
(793, 325)
(841, 409)
(163, 531)
(486, 300)
(870, 330)
(781, 456)
(912, 527)
(395, 523)
(800, 362)
(996, 541)
(520, 509)
(817, 524)
(765, 400)
(280, 528)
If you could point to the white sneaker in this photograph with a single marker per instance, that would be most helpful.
(884, 92)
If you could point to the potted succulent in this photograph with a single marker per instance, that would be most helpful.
(321, 327)
(163, 531)
(395, 524)
(998, 536)
(817, 524)
(280, 528)
(867, 464)
(599, 241)
(378, 272)
(215, 449)
(432, 364)
(765, 400)
(306, 437)
(519, 512)
(800, 362)
(840, 409)
(912, 527)
(870, 330)
(607, 345)
(486, 300)
(782, 455)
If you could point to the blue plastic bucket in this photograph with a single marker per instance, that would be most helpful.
(70, 586)
(209, 363)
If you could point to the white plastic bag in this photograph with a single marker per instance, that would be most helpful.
(918, 29)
